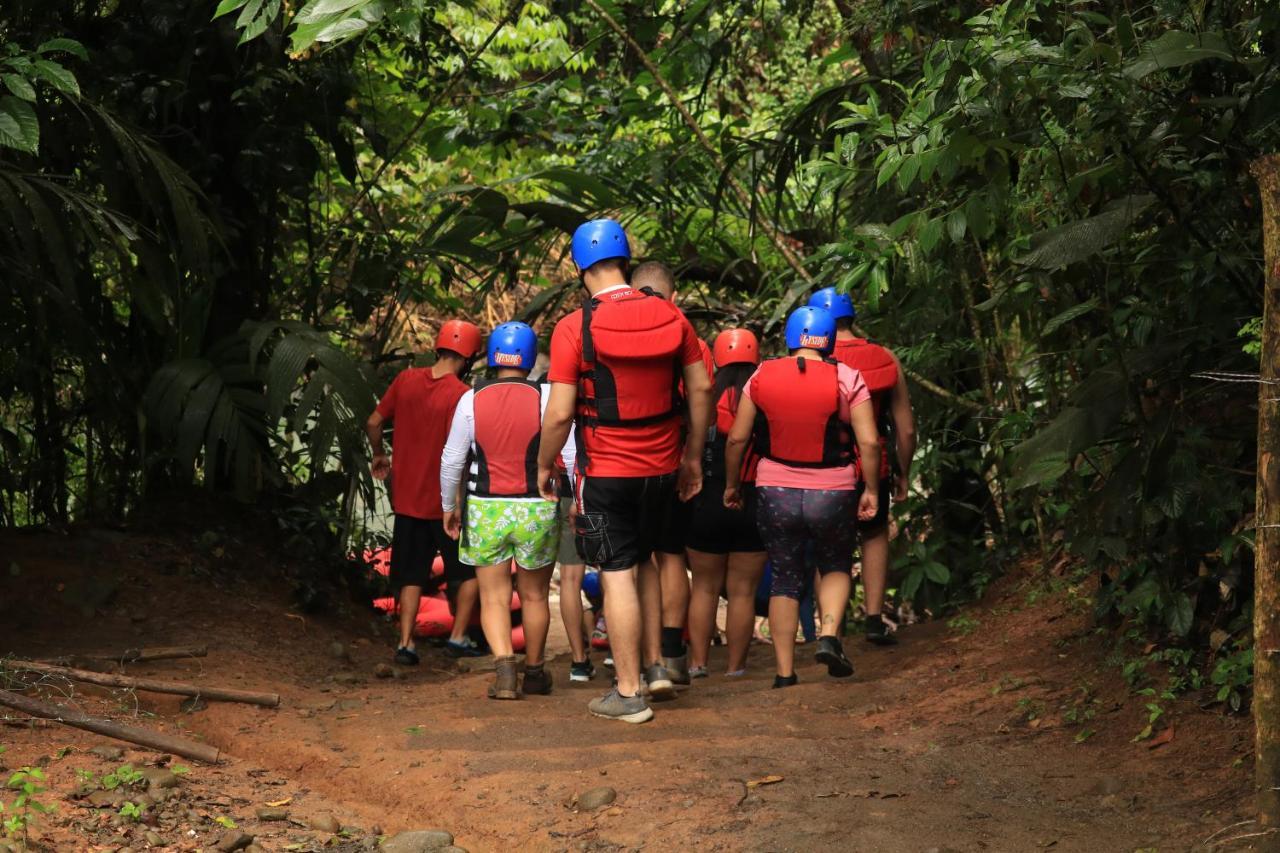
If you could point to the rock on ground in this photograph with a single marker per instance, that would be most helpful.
(596, 798)
(418, 841)
(326, 823)
(233, 840)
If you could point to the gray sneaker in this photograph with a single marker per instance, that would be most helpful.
(678, 668)
(614, 706)
(659, 683)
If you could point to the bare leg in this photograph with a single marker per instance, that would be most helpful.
(745, 570)
(464, 607)
(535, 612)
(410, 598)
(833, 596)
(494, 585)
(704, 600)
(674, 573)
(875, 569)
(649, 585)
(622, 613)
(571, 608)
(784, 616)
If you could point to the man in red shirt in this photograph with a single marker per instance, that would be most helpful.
(615, 369)
(891, 400)
(664, 581)
(420, 403)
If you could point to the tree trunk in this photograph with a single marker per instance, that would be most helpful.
(1266, 595)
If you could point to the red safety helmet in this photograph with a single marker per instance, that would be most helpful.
(736, 346)
(459, 336)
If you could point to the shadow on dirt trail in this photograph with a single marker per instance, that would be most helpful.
(945, 742)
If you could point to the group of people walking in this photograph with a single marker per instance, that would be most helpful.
(671, 469)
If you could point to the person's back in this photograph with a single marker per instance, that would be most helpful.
(420, 405)
(508, 426)
(615, 364)
(505, 523)
(804, 413)
(895, 423)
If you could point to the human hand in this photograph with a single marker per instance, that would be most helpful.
(900, 490)
(689, 479)
(452, 523)
(547, 477)
(381, 466)
(868, 505)
(733, 497)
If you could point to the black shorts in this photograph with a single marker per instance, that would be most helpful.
(415, 542)
(673, 527)
(716, 529)
(619, 518)
(877, 524)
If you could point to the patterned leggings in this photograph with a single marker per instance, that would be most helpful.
(791, 519)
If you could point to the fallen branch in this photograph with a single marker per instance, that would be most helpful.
(130, 734)
(219, 694)
(139, 655)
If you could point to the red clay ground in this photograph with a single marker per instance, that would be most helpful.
(951, 741)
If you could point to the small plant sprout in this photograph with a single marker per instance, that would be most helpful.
(15, 816)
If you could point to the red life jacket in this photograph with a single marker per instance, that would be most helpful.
(718, 433)
(798, 414)
(508, 433)
(877, 367)
(632, 341)
(880, 373)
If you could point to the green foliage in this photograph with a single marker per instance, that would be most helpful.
(23, 73)
(124, 776)
(26, 784)
(229, 242)
(1232, 675)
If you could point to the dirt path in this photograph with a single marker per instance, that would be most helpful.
(947, 742)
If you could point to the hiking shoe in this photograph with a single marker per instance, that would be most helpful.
(464, 648)
(614, 706)
(581, 670)
(832, 654)
(678, 669)
(537, 681)
(697, 672)
(406, 656)
(659, 683)
(504, 678)
(878, 631)
(784, 681)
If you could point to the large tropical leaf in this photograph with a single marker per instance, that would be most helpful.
(1075, 241)
(1175, 49)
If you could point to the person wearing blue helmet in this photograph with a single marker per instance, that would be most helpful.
(616, 367)
(805, 414)
(891, 405)
(505, 524)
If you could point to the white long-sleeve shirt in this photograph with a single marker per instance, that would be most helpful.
(461, 442)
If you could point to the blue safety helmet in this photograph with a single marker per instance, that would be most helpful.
(591, 585)
(599, 240)
(811, 328)
(513, 345)
(839, 304)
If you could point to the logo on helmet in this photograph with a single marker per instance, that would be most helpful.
(813, 341)
(508, 359)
